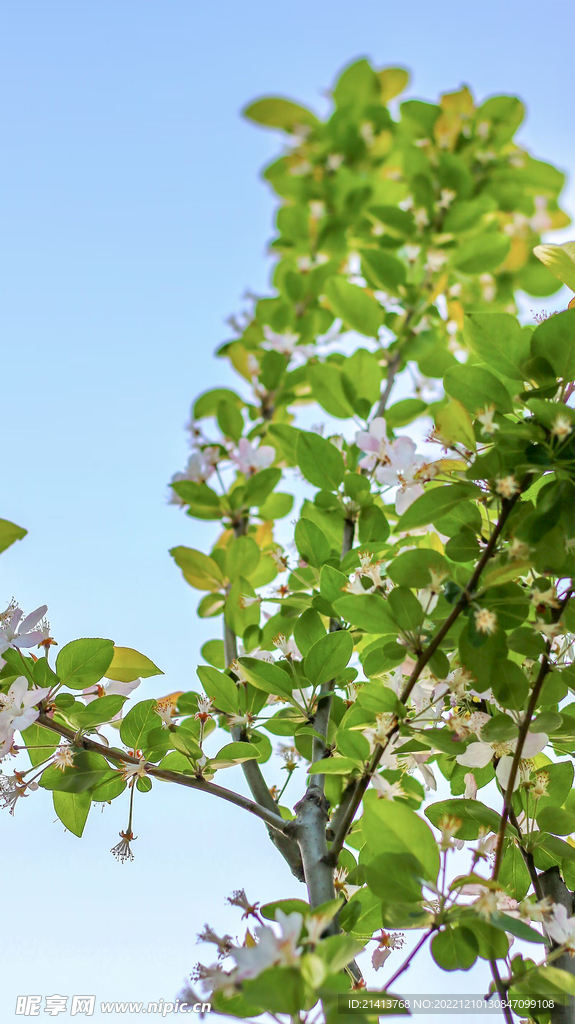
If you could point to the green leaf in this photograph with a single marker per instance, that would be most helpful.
(556, 820)
(392, 827)
(277, 990)
(482, 253)
(234, 753)
(239, 616)
(309, 627)
(277, 112)
(368, 611)
(477, 388)
(128, 665)
(333, 766)
(392, 81)
(361, 380)
(411, 568)
(492, 943)
(289, 906)
(36, 737)
(554, 340)
(72, 810)
(326, 383)
(499, 340)
(312, 544)
(508, 682)
(74, 780)
(517, 928)
(359, 311)
(103, 709)
(139, 721)
(473, 815)
(230, 421)
(220, 688)
(328, 657)
(82, 663)
(385, 270)
(405, 608)
(199, 570)
(400, 875)
(320, 461)
(9, 533)
(372, 526)
(267, 677)
(332, 583)
(261, 484)
(453, 423)
(276, 506)
(514, 876)
(203, 502)
(206, 404)
(454, 949)
(401, 413)
(434, 504)
(560, 260)
(241, 558)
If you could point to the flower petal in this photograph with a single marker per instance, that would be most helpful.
(33, 618)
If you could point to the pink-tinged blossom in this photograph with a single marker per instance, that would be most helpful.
(271, 949)
(403, 469)
(387, 943)
(17, 632)
(250, 459)
(18, 709)
(112, 686)
(374, 443)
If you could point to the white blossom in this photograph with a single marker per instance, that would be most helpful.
(271, 949)
(18, 707)
(17, 632)
(250, 459)
(480, 753)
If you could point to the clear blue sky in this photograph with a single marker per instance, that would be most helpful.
(133, 219)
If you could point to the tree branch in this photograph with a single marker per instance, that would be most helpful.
(406, 963)
(325, 699)
(554, 887)
(527, 857)
(464, 600)
(392, 368)
(272, 819)
(251, 769)
(523, 730)
(501, 991)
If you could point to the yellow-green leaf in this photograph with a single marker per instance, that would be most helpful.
(9, 533)
(199, 570)
(128, 664)
(453, 423)
(560, 260)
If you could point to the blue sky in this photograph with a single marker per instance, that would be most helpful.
(133, 221)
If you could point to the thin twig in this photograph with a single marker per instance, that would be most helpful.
(527, 857)
(544, 669)
(325, 699)
(191, 781)
(406, 963)
(424, 657)
(502, 991)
